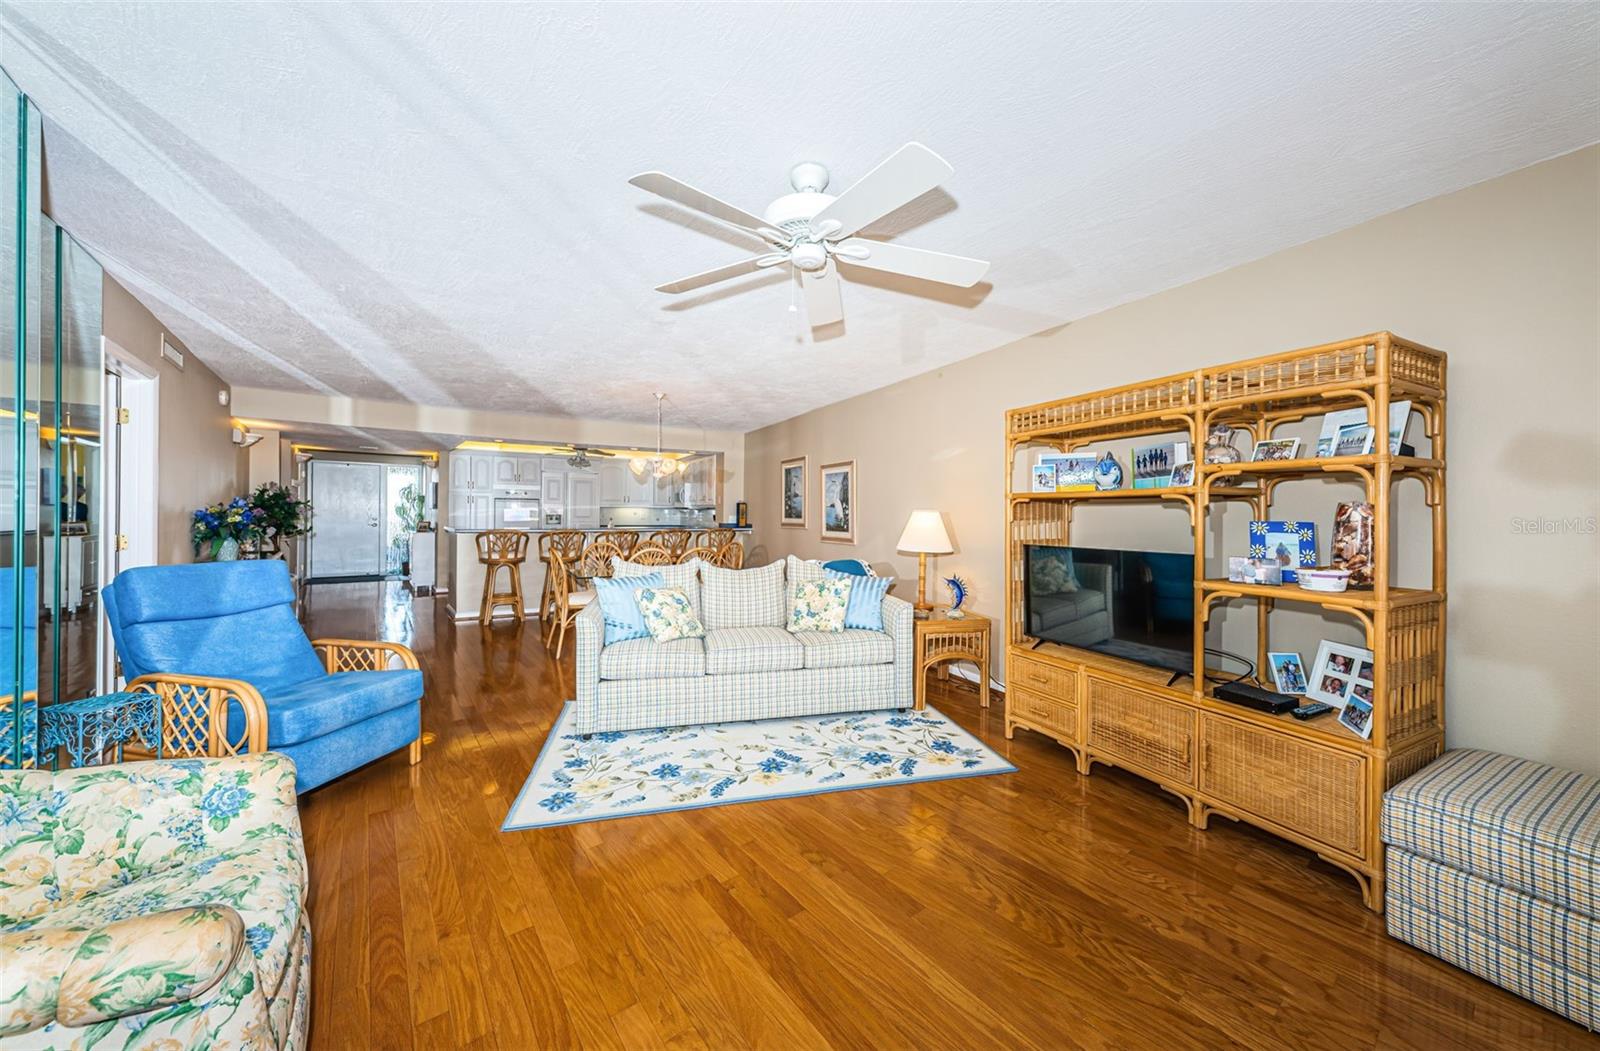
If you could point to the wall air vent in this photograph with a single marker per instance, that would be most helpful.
(170, 352)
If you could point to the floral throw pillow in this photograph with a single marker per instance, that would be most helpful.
(819, 605)
(668, 614)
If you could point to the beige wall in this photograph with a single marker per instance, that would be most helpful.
(1503, 276)
(197, 460)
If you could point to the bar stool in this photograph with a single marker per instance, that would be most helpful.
(565, 544)
(625, 539)
(501, 548)
(676, 541)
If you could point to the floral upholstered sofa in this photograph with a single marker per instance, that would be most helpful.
(756, 660)
(154, 905)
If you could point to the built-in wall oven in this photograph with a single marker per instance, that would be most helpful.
(517, 509)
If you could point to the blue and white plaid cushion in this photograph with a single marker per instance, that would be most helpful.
(648, 659)
(684, 578)
(733, 651)
(845, 649)
(742, 598)
(1522, 824)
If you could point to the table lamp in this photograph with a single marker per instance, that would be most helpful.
(925, 535)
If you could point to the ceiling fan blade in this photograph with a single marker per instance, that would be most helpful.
(947, 269)
(904, 175)
(823, 304)
(663, 185)
(721, 273)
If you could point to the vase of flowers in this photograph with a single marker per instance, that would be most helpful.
(221, 529)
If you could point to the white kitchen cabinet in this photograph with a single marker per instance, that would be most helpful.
(471, 472)
(666, 490)
(613, 483)
(641, 491)
(553, 490)
(513, 471)
(470, 510)
(583, 500)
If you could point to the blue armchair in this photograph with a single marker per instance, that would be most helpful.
(219, 643)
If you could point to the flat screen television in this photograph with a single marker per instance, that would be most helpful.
(1136, 605)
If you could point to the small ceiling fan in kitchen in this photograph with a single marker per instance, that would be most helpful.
(581, 453)
(812, 231)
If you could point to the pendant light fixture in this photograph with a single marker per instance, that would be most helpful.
(660, 466)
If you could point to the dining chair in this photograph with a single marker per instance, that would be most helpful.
(651, 555)
(706, 554)
(568, 544)
(568, 598)
(731, 555)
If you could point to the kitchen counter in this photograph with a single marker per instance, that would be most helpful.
(466, 592)
(597, 529)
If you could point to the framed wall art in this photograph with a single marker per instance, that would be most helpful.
(839, 502)
(793, 487)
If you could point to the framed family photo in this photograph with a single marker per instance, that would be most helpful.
(794, 491)
(839, 502)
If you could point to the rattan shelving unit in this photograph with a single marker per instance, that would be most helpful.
(1314, 783)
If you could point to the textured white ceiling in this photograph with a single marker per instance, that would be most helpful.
(429, 203)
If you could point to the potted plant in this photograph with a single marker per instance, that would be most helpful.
(409, 511)
(284, 515)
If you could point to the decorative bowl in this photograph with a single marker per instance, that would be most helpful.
(1322, 578)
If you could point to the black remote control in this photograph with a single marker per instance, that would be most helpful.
(1311, 710)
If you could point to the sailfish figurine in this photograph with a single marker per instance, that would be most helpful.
(958, 595)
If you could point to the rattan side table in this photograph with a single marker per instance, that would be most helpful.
(942, 638)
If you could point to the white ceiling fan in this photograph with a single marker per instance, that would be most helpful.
(812, 231)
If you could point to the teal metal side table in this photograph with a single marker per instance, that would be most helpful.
(88, 728)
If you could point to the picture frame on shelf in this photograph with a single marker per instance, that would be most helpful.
(1356, 715)
(1353, 439)
(839, 502)
(1275, 449)
(1043, 476)
(1289, 544)
(1074, 474)
(1288, 673)
(1341, 674)
(1334, 422)
(1153, 464)
(1183, 474)
(792, 487)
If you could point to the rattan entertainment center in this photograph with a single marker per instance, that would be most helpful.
(1313, 782)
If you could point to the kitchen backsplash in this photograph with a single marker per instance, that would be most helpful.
(699, 517)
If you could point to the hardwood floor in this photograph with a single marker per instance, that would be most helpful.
(1039, 909)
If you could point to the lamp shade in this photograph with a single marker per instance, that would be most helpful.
(925, 534)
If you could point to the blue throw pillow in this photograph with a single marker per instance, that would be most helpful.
(866, 600)
(623, 619)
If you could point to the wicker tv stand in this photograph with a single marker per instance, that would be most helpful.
(1314, 783)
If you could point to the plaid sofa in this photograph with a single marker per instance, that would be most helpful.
(749, 666)
(1494, 866)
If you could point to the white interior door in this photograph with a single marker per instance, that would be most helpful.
(346, 519)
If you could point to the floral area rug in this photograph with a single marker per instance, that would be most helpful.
(634, 772)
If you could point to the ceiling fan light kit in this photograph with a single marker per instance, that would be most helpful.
(809, 228)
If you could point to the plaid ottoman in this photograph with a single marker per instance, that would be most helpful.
(1494, 866)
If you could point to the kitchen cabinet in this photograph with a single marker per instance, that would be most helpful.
(614, 488)
(553, 490)
(516, 472)
(666, 490)
(583, 500)
(641, 491)
(470, 510)
(471, 472)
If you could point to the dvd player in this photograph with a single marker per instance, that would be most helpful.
(1255, 697)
